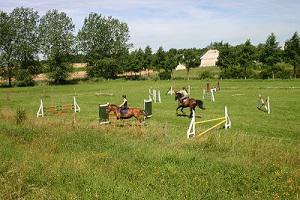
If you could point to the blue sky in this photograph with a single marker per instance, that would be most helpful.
(184, 23)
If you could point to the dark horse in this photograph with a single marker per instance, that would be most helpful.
(188, 102)
(131, 112)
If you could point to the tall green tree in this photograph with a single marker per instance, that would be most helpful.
(227, 57)
(246, 55)
(103, 37)
(24, 22)
(292, 52)
(270, 51)
(57, 42)
(148, 58)
(159, 58)
(7, 64)
(191, 59)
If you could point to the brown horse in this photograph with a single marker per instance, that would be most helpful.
(189, 102)
(131, 112)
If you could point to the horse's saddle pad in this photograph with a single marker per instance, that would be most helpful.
(124, 111)
(184, 100)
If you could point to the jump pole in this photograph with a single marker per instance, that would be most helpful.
(218, 124)
(191, 132)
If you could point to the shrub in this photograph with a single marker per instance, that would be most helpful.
(206, 75)
(24, 78)
(232, 72)
(20, 115)
(279, 70)
(165, 75)
(106, 68)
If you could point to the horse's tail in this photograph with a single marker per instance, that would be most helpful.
(200, 104)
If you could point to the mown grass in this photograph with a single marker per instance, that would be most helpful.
(48, 158)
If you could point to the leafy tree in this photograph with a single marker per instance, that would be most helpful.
(227, 57)
(7, 65)
(270, 51)
(171, 60)
(103, 37)
(24, 22)
(246, 55)
(148, 58)
(228, 62)
(159, 58)
(216, 45)
(140, 60)
(57, 42)
(192, 59)
(106, 67)
(292, 51)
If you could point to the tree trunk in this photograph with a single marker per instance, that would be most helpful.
(9, 81)
(295, 74)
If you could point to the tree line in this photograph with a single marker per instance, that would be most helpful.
(30, 44)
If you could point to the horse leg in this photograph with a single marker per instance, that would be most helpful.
(179, 106)
(191, 113)
(182, 110)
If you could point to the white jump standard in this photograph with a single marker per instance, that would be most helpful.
(264, 104)
(191, 132)
(42, 110)
(154, 95)
(172, 90)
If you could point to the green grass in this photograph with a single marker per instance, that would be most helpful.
(47, 158)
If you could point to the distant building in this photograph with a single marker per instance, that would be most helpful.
(210, 58)
(180, 67)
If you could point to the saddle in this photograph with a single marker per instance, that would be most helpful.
(123, 111)
(184, 99)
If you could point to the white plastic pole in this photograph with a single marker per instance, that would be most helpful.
(158, 96)
(191, 131)
(268, 104)
(212, 95)
(40, 112)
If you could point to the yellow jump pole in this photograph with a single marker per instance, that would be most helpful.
(209, 120)
(218, 124)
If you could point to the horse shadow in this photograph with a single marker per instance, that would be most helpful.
(185, 115)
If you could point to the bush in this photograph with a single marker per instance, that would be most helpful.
(106, 68)
(279, 70)
(232, 72)
(24, 78)
(206, 75)
(20, 115)
(166, 75)
(59, 73)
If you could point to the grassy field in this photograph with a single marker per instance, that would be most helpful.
(49, 158)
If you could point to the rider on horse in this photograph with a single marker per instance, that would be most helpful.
(123, 106)
(184, 94)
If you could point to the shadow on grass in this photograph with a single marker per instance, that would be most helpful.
(185, 115)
